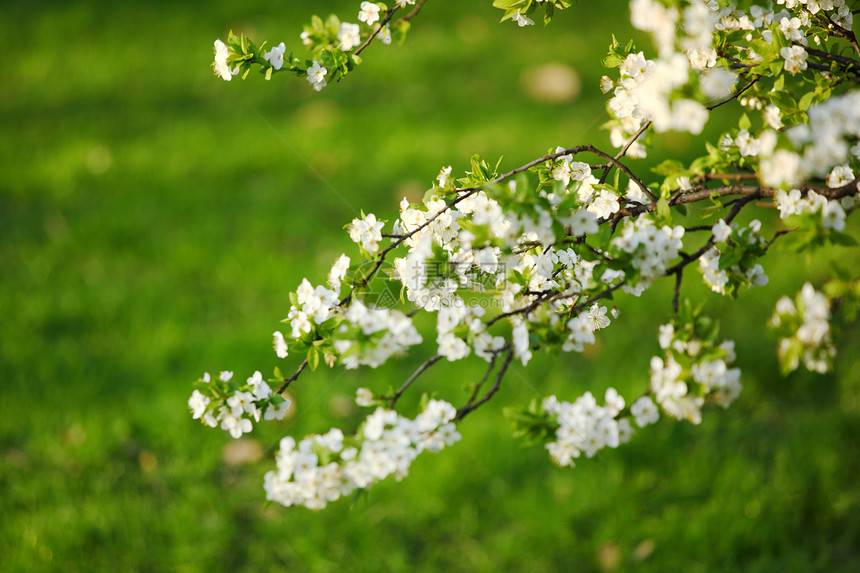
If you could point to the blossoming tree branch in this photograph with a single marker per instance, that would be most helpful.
(542, 256)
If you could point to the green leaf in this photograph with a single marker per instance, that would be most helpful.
(730, 258)
(776, 67)
(663, 209)
(507, 4)
(547, 17)
(399, 31)
(313, 357)
(496, 168)
(842, 273)
(779, 83)
(782, 100)
(668, 167)
(806, 101)
(844, 239)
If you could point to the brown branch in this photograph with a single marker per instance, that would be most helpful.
(679, 276)
(413, 13)
(624, 169)
(621, 154)
(726, 176)
(526, 310)
(486, 375)
(385, 21)
(430, 362)
(736, 209)
(292, 378)
(737, 189)
(464, 411)
(777, 235)
(734, 96)
(376, 31)
(839, 30)
(851, 65)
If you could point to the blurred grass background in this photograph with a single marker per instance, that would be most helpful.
(153, 220)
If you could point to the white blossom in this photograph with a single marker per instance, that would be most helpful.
(280, 344)
(369, 13)
(367, 232)
(349, 36)
(522, 20)
(604, 205)
(363, 397)
(198, 403)
(795, 59)
(721, 231)
(316, 76)
(717, 83)
(840, 175)
(222, 68)
(644, 411)
(275, 56)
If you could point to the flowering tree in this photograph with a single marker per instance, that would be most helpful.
(541, 257)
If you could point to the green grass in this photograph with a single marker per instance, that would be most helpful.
(153, 221)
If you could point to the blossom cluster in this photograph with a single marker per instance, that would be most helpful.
(233, 405)
(583, 426)
(826, 142)
(740, 246)
(830, 213)
(651, 249)
(693, 369)
(366, 232)
(333, 46)
(805, 325)
(323, 468)
(651, 90)
(353, 333)
(370, 336)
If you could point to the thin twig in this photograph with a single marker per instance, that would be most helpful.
(679, 276)
(623, 152)
(851, 65)
(292, 378)
(385, 21)
(413, 13)
(726, 176)
(464, 411)
(486, 375)
(430, 362)
(840, 31)
(546, 295)
(376, 31)
(734, 96)
(777, 235)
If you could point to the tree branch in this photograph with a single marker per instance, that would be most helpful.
(735, 95)
(376, 31)
(486, 375)
(851, 65)
(413, 13)
(623, 152)
(471, 405)
(427, 364)
(292, 378)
